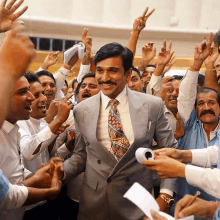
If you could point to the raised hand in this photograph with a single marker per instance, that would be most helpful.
(201, 52)
(16, 52)
(170, 64)
(87, 40)
(165, 55)
(211, 59)
(50, 60)
(140, 22)
(148, 52)
(7, 15)
(52, 110)
(165, 87)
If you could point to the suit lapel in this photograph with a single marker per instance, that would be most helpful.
(139, 120)
(91, 115)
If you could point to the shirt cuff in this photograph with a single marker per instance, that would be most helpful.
(64, 71)
(167, 191)
(45, 134)
(15, 197)
(199, 157)
(193, 174)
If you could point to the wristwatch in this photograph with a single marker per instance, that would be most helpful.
(169, 201)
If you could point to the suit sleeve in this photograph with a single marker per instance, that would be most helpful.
(165, 138)
(77, 162)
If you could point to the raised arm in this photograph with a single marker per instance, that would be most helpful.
(85, 65)
(138, 26)
(188, 86)
(211, 79)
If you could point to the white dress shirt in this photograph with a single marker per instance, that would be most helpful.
(123, 109)
(35, 132)
(187, 95)
(15, 197)
(155, 84)
(171, 118)
(84, 69)
(12, 163)
(204, 177)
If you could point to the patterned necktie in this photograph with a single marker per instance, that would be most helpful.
(119, 142)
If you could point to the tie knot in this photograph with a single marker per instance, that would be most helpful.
(113, 103)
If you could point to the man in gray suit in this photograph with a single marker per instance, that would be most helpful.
(108, 136)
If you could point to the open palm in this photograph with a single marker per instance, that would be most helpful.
(7, 15)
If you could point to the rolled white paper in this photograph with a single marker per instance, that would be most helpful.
(68, 54)
(143, 154)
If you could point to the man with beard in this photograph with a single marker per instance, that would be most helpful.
(86, 89)
(134, 83)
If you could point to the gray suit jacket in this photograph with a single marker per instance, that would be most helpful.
(106, 181)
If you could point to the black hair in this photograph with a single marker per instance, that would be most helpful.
(45, 73)
(151, 65)
(136, 70)
(207, 90)
(73, 82)
(175, 77)
(115, 50)
(31, 77)
(66, 83)
(201, 80)
(79, 85)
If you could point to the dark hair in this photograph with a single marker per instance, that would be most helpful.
(151, 65)
(207, 90)
(31, 77)
(175, 77)
(115, 50)
(73, 82)
(136, 70)
(201, 79)
(217, 39)
(45, 73)
(79, 85)
(66, 83)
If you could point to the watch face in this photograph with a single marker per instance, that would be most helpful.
(172, 202)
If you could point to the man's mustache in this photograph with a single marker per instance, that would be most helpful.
(207, 112)
(107, 82)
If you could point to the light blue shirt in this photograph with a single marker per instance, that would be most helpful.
(217, 214)
(4, 186)
(194, 138)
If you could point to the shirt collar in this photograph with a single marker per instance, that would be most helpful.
(7, 127)
(167, 110)
(122, 98)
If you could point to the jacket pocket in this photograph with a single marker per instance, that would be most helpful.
(90, 181)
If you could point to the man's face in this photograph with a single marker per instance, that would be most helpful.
(64, 89)
(39, 104)
(111, 76)
(20, 108)
(49, 87)
(146, 76)
(134, 83)
(207, 107)
(88, 88)
(172, 95)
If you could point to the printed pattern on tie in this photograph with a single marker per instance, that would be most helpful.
(119, 142)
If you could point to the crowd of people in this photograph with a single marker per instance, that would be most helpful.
(67, 150)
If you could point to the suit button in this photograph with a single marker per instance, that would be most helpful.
(87, 143)
(109, 180)
(127, 180)
(99, 161)
(147, 142)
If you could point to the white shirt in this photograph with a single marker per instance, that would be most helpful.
(12, 163)
(202, 177)
(84, 69)
(33, 133)
(187, 95)
(15, 197)
(123, 109)
(171, 118)
(154, 83)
